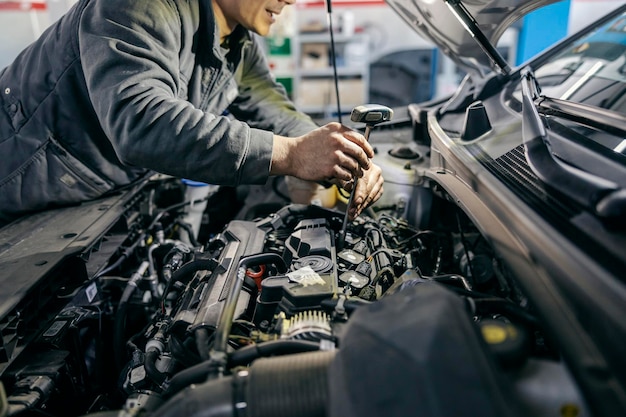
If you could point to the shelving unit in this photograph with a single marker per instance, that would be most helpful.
(314, 86)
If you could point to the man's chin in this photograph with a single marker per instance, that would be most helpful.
(263, 31)
(261, 28)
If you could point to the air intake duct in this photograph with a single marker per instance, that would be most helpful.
(284, 386)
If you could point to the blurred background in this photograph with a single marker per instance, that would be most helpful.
(379, 57)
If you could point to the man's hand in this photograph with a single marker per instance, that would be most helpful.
(369, 188)
(332, 153)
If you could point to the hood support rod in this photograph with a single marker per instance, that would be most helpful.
(470, 24)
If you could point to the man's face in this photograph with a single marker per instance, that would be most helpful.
(255, 15)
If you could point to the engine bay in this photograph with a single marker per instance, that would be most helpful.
(280, 313)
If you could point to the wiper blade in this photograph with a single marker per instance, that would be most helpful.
(603, 119)
(604, 198)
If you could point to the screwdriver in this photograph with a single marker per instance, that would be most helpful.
(371, 115)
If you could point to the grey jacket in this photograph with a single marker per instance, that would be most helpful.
(119, 88)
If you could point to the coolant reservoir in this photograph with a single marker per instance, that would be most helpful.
(196, 194)
(307, 192)
(403, 166)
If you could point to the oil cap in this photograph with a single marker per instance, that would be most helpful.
(508, 342)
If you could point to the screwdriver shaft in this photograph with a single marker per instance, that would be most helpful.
(355, 181)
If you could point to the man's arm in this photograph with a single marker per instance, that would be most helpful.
(130, 57)
(330, 153)
(129, 53)
(262, 101)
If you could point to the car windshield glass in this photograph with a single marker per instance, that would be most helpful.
(591, 71)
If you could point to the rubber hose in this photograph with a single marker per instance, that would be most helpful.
(193, 375)
(291, 385)
(190, 234)
(182, 354)
(198, 373)
(248, 354)
(285, 386)
(149, 364)
(187, 271)
(120, 327)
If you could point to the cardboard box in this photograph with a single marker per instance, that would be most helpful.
(314, 55)
(351, 91)
(315, 92)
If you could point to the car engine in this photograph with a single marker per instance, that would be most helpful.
(277, 311)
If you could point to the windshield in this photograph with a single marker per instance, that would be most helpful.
(592, 70)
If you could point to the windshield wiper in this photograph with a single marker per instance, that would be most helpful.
(592, 116)
(604, 198)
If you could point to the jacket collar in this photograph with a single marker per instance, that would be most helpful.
(236, 40)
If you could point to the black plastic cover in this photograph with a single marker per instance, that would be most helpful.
(416, 353)
(310, 237)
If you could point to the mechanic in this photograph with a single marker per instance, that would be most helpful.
(118, 89)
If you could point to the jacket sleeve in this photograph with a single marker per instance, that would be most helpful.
(262, 101)
(130, 56)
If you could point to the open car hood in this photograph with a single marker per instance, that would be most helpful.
(436, 20)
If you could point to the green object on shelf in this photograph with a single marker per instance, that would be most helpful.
(287, 82)
(279, 46)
